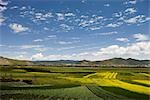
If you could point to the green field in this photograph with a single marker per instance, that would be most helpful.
(74, 83)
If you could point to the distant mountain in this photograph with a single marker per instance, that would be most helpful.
(121, 61)
(109, 62)
(57, 62)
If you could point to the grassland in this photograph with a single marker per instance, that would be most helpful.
(74, 83)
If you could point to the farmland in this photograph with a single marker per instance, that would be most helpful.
(74, 83)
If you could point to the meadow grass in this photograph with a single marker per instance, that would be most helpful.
(75, 82)
(80, 92)
(106, 95)
(128, 94)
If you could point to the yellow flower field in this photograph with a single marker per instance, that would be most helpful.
(109, 79)
(143, 81)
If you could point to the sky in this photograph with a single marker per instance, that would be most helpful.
(74, 29)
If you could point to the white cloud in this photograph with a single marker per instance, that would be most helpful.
(29, 46)
(130, 11)
(141, 37)
(23, 46)
(3, 7)
(43, 16)
(1, 20)
(39, 16)
(93, 22)
(14, 7)
(119, 14)
(147, 18)
(139, 50)
(64, 42)
(20, 57)
(121, 18)
(66, 48)
(106, 5)
(99, 17)
(69, 14)
(136, 19)
(122, 39)
(1, 45)
(105, 33)
(75, 38)
(83, 1)
(23, 8)
(37, 56)
(38, 48)
(130, 2)
(84, 16)
(49, 14)
(95, 28)
(38, 40)
(65, 27)
(4, 3)
(18, 27)
(113, 25)
(45, 28)
(60, 16)
(84, 23)
(52, 36)
(68, 42)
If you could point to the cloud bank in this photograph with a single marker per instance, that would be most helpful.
(138, 50)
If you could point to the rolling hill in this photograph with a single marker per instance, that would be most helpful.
(8, 61)
(109, 62)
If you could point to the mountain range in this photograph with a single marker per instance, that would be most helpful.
(108, 62)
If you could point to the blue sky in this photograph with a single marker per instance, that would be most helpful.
(74, 29)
